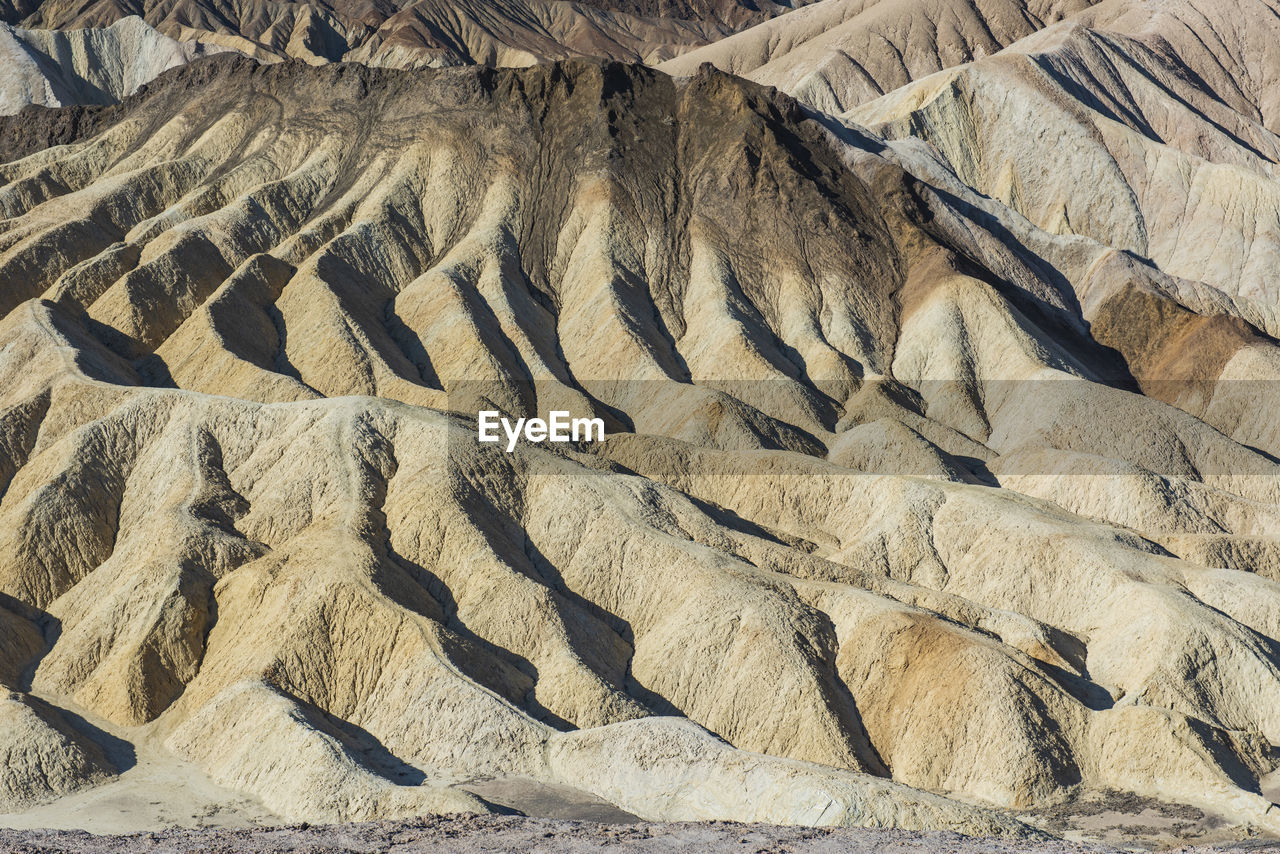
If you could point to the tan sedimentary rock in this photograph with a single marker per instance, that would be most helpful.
(837, 54)
(420, 33)
(876, 502)
(1130, 110)
(43, 757)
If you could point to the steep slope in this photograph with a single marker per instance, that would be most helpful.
(733, 14)
(1146, 127)
(90, 66)
(1130, 125)
(837, 54)
(422, 33)
(522, 32)
(834, 536)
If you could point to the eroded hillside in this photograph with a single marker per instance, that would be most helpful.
(419, 33)
(882, 516)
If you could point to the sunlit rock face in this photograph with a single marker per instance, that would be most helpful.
(916, 506)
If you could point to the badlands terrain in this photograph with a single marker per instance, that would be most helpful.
(936, 346)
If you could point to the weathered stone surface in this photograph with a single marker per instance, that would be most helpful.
(891, 491)
(50, 68)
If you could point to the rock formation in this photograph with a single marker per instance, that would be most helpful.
(422, 33)
(54, 68)
(1136, 110)
(940, 479)
(837, 54)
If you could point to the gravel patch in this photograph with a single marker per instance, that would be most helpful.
(474, 834)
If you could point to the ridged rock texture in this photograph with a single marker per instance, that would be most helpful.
(421, 33)
(51, 68)
(838, 53)
(911, 491)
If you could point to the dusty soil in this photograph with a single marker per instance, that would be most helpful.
(466, 834)
(1131, 822)
(511, 833)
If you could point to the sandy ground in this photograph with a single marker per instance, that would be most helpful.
(533, 798)
(154, 790)
(157, 791)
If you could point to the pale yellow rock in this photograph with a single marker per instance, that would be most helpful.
(883, 508)
(43, 757)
